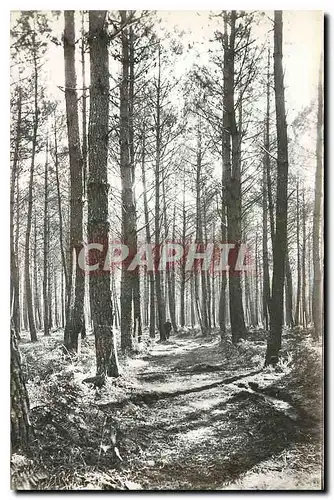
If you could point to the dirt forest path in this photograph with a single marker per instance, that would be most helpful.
(199, 424)
(192, 413)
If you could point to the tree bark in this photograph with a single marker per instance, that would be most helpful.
(136, 296)
(75, 316)
(46, 245)
(280, 244)
(317, 260)
(19, 412)
(226, 170)
(298, 295)
(50, 272)
(129, 233)
(201, 311)
(213, 283)
(267, 160)
(159, 294)
(192, 300)
(304, 284)
(183, 264)
(60, 214)
(266, 279)
(14, 269)
(38, 320)
(28, 292)
(233, 198)
(267, 202)
(115, 301)
(55, 291)
(17, 298)
(97, 190)
(169, 285)
(207, 273)
(256, 304)
(84, 104)
(62, 299)
(86, 318)
(288, 293)
(148, 235)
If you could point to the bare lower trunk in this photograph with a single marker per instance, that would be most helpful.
(192, 301)
(19, 415)
(169, 284)
(97, 190)
(129, 234)
(46, 247)
(27, 279)
(266, 279)
(60, 214)
(317, 260)
(298, 295)
(158, 279)
(148, 237)
(280, 244)
(136, 295)
(75, 316)
(226, 166)
(17, 297)
(14, 266)
(55, 291)
(288, 293)
(183, 270)
(267, 160)
(233, 191)
(202, 310)
(304, 284)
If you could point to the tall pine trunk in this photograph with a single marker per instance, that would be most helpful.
(288, 293)
(38, 319)
(169, 284)
(183, 268)
(27, 278)
(46, 245)
(267, 159)
(280, 243)
(158, 276)
(14, 267)
(267, 198)
(129, 233)
(213, 282)
(226, 169)
(148, 236)
(202, 310)
(60, 213)
(317, 260)
(137, 319)
(233, 198)
(17, 298)
(304, 284)
(97, 191)
(84, 103)
(84, 161)
(256, 304)
(298, 295)
(75, 316)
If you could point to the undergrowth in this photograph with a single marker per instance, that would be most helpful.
(79, 445)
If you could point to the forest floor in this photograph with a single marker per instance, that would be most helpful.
(192, 413)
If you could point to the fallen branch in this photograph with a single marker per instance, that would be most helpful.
(199, 368)
(278, 404)
(152, 396)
